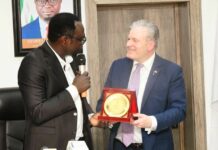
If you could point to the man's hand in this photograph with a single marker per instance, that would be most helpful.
(143, 121)
(98, 123)
(82, 82)
(94, 120)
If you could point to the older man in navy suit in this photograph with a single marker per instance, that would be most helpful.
(161, 96)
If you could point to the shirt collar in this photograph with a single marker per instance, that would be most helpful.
(43, 24)
(148, 63)
(68, 58)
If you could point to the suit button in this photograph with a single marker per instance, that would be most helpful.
(75, 114)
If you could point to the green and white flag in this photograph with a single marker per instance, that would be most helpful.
(28, 11)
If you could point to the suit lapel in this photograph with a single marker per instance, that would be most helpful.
(154, 73)
(54, 66)
(126, 73)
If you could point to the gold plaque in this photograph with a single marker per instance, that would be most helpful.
(116, 105)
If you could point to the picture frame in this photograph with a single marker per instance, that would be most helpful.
(23, 45)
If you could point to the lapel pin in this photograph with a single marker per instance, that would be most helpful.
(155, 72)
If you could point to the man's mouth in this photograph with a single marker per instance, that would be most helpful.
(48, 13)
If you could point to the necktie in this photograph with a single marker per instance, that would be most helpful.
(126, 128)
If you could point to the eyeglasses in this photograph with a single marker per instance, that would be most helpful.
(81, 40)
(43, 2)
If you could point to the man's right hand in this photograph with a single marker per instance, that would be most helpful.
(82, 82)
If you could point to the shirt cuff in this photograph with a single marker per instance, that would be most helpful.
(153, 125)
(73, 92)
(90, 115)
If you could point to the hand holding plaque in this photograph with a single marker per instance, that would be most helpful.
(118, 105)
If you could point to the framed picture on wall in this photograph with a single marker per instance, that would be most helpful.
(31, 17)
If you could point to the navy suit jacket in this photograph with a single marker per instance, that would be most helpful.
(32, 30)
(164, 97)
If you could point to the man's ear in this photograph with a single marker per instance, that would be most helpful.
(63, 40)
(150, 45)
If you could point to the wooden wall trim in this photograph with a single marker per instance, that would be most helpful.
(92, 49)
(197, 74)
(93, 64)
(111, 2)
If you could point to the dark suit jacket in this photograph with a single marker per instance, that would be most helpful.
(164, 97)
(32, 30)
(51, 115)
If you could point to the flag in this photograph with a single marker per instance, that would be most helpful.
(27, 11)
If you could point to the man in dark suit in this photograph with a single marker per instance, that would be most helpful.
(46, 9)
(161, 96)
(51, 86)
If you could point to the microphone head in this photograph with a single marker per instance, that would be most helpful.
(81, 59)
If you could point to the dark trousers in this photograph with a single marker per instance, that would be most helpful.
(120, 146)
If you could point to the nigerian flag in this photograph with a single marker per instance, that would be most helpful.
(28, 11)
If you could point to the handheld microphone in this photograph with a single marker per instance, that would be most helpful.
(81, 60)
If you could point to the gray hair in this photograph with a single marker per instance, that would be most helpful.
(153, 31)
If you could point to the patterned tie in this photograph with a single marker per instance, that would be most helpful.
(126, 128)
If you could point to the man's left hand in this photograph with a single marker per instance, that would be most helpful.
(142, 121)
(94, 120)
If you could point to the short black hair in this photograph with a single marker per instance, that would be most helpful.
(61, 24)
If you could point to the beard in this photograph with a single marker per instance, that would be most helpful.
(47, 19)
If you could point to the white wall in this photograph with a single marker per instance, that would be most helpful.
(9, 64)
(210, 40)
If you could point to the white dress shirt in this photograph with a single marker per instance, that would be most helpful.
(69, 74)
(144, 73)
(43, 28)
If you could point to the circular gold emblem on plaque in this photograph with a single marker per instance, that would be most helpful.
(116, 105)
